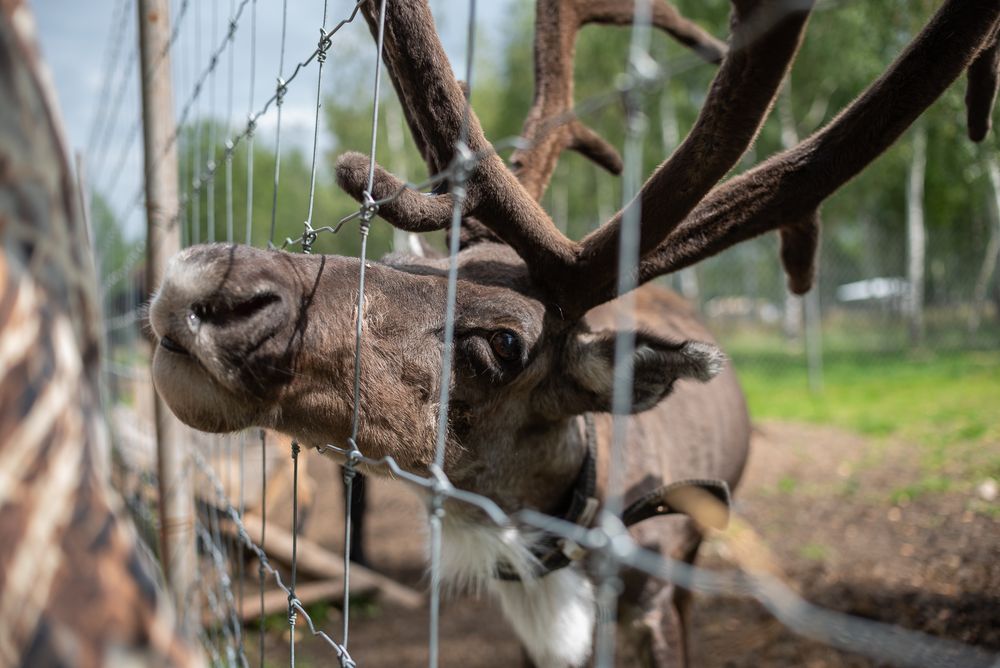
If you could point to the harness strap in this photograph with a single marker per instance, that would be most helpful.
(705, 500)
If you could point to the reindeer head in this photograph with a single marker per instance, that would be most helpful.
(254, 337)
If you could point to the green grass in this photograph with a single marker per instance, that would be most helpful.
(946, 405)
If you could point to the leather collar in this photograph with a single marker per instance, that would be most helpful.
(683, 496)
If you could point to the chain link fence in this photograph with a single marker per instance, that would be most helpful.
(858, 307)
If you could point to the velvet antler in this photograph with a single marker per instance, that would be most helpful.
(791, 185)
(550, 126)
(981, 93)
(766, 36)
(799, 243)
(684, 215)
(437, 112)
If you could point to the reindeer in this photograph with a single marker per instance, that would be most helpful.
(260, 337)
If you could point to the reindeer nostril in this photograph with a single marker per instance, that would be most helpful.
(255, 304)
(222, 313)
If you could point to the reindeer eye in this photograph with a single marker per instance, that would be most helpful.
(506, 346)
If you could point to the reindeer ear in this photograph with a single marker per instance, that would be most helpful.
(657, 364)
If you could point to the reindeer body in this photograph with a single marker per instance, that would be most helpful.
(702, 431)
(252, 337)
(262, 337)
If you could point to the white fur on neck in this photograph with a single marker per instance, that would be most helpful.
(553, 616)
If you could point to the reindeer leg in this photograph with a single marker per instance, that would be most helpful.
(307, 496)
(683, 600)
(358, 503)
(659, 619)
(670, 644)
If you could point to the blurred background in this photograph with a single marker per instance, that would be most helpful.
(892, 361)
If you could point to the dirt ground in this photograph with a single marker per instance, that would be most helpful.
(819, 498)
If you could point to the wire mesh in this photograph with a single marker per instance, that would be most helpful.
(222, 634)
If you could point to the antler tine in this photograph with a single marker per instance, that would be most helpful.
(799, 243)
(430, 101)
(792, 184)
(800, 239)
(437, 110)
(765, 38)
(665, 17)
(549, 126)
(984, 79)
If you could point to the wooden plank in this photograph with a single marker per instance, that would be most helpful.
(276, 601)
(313, 560)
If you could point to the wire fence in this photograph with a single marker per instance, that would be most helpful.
(222, 465)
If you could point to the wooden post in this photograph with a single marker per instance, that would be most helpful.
(177, 536)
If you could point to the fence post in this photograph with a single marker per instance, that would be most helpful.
(176, 500)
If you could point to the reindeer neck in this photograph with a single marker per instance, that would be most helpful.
(535, 467)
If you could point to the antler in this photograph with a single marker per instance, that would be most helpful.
(683, 219)
(550, 127)
(984, 78)
(791, 185)
(766, 36)
(436, 113)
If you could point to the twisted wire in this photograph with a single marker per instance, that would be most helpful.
(880, 641)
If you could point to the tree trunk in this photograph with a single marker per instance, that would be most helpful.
(989, 265)
(916, 235)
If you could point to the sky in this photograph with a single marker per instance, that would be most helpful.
(91, 49)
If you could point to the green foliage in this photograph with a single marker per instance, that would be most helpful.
(290, 206)
(814, 552)
(787, 484)
(111, 247)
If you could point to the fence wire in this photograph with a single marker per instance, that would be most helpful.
(222, 592)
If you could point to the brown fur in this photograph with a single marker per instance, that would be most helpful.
(276, 348)
(981, 93)
(799, 250)
(791, 185)
(683, 219)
